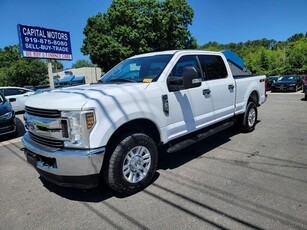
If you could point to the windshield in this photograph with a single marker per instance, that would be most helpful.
(142, 69)
(2, 99)
(287, 78)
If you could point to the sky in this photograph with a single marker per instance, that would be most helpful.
(222, 21)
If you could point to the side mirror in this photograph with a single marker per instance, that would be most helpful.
(190, 77)
(12, 99)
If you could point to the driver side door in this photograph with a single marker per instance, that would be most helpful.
(189, 109)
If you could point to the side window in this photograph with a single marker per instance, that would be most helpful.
(21, 91)
(8, 92)
(184, 61)
(213, 67)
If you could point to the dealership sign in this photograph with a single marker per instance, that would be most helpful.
(38, 42)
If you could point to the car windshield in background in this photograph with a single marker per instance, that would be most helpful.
(1, 99)
(287, 78)
(143, 69)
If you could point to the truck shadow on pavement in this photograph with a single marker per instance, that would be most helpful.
(166, 161)
(176, 159)
(94, 195)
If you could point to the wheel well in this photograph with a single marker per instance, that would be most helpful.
(139, 125)
(254, 97)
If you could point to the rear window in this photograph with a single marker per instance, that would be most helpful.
(213, 67)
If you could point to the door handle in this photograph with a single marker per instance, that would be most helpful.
(231, 87)
(206, 91)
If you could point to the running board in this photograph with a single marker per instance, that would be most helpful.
(200, 136)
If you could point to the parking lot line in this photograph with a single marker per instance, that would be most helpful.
(10, 141)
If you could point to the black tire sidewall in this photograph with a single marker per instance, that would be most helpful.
(115, 177)
(244, 124)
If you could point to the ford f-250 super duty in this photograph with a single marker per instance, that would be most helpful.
(112, 129)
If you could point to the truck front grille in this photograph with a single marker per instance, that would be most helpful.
(46, 141)
(43, 112)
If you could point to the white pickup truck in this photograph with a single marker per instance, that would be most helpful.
(112, 129)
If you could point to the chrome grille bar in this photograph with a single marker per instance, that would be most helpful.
(45, 141)
(43, 112)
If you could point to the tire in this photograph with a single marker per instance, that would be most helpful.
(132, 164)
(248, 120)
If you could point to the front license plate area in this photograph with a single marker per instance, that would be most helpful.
(31, 158)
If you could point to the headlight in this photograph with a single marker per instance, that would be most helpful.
(80, 125)
(7, 116)
(292, 84)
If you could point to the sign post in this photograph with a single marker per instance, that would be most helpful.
(50, 74)
(38, 42)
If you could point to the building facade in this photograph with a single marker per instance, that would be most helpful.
(91, 74)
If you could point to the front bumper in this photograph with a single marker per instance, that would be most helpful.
(65, 167)
(283, 88)
(7, 126)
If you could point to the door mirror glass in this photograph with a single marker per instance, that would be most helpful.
(190, 77)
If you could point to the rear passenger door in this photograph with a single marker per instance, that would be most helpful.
(221, 86)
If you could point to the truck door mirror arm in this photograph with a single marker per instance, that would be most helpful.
(174, 83)
(190, 77)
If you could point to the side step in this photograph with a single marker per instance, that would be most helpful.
(200, 136)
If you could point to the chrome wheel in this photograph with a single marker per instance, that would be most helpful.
(136, 164)
(251, 118)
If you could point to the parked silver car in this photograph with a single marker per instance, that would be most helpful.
(16, 96)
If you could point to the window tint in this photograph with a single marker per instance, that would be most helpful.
(183, 62)
(9, 92)
(12, 91)
(213, 67)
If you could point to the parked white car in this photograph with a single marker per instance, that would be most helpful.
(16, 96)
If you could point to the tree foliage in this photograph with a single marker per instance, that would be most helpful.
(56, 65)
(83, 63)
(136, 26)
(17, 71)
(270, 56)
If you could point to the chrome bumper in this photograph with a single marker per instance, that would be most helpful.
(67, 162)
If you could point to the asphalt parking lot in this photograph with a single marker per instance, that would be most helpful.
(229, 181)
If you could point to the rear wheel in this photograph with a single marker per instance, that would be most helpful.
(248, 120)
(132, 163)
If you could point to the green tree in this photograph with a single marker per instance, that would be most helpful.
(297, 56)
(131, 27)
(82, 63)
(9, 55)
(17, 71)
(270, 56)
(56, 65)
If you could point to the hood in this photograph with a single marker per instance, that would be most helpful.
(75, 98)
(5, 107)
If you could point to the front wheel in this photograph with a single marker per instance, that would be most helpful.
(132, 164)
(248, 120)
